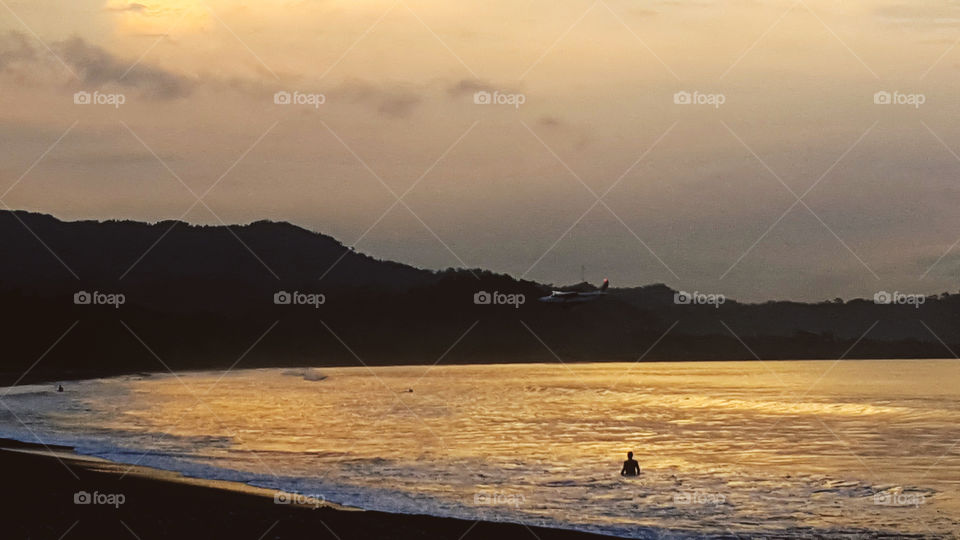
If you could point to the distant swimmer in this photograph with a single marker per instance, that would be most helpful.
(59, 388)
(630, 466)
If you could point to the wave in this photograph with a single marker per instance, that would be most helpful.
(308, 374)
(27, 389)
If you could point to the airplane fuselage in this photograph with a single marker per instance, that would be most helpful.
(574, 297)
(559, 297)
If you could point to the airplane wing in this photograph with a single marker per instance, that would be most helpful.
(564, 294)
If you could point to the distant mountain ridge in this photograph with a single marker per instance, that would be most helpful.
(200, 296)
(135, 256)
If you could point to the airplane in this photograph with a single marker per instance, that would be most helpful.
(574, 297)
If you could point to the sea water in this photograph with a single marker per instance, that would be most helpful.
(788, 448)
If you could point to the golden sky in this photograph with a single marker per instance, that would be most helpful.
(701, 197)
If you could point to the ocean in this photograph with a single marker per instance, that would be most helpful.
(788, 448)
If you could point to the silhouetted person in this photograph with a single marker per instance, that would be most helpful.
(630, 466)
(59, 388)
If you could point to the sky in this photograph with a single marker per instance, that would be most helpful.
(735, 147)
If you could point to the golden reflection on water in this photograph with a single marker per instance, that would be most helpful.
(787, 444)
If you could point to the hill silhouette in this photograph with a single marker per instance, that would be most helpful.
(199, 297)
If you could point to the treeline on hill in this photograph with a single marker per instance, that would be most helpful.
(197, 297)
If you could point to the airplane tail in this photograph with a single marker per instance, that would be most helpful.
(606, 283)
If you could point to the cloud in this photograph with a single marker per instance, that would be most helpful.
(131, 7)
(938, 263)
(23, 60)
(97, 67)
(22, 57)
(919, 15)
(388, 101)
(399, 104)
(469, 86)
(16, 47)
(549, 121)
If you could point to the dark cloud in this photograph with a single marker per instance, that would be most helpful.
(16, 47)
(97, 67)
(399, 104)
(26, 59)
(469, 86)
(388, 101)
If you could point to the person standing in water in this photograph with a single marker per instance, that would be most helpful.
(630, 466)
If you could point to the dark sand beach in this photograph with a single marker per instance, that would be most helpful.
(40, 485)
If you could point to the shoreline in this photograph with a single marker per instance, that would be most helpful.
(43, 483)
(12, 380)
(141, 502)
